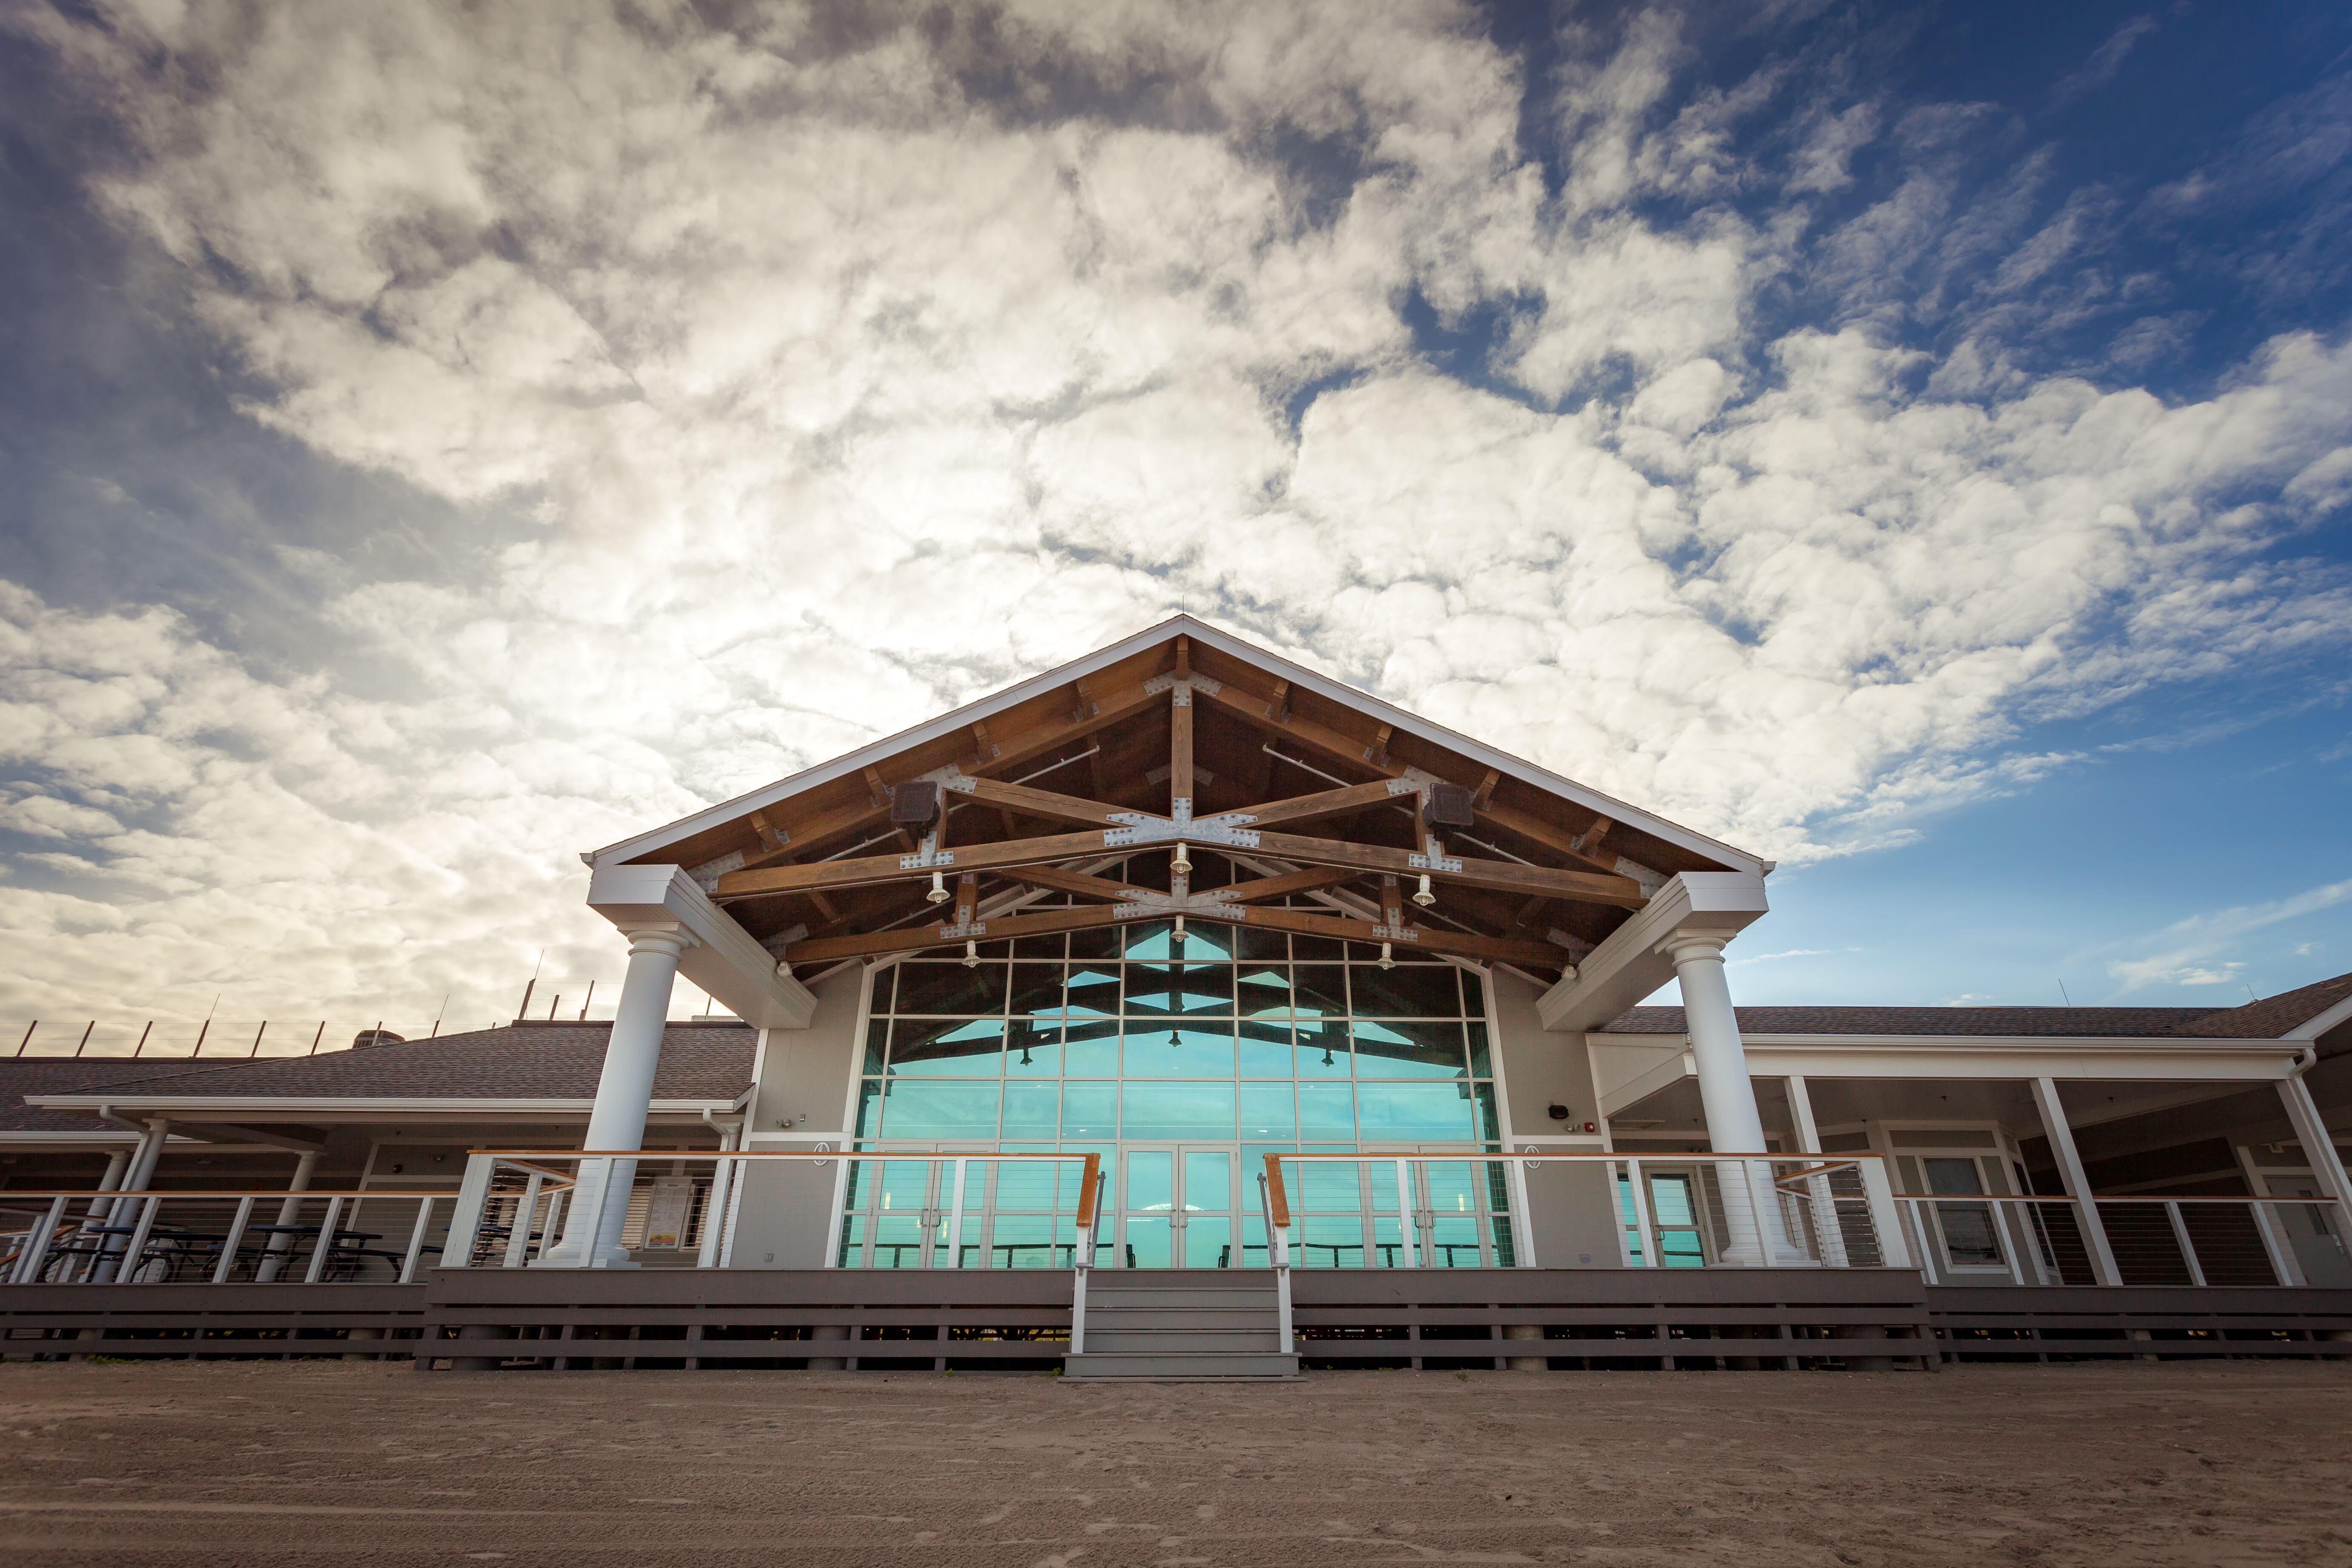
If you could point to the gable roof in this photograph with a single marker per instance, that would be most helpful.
(523, 1061)
(954, 725)
(21, 1076)
(1545, 867)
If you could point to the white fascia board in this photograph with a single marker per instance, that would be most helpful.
(1223, 642)
(2011, 1057)
(2312, 1028)
(67, 1138)
(1627, 966)
(726, 960)
(247, 1108)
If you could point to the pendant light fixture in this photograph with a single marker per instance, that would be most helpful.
(938, 893)
(1425, 897)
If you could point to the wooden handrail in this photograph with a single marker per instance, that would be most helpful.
(222, 1192)
(1089, 1180)
(1278, 1202)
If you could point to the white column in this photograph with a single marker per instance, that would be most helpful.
(2319, 1147)
(2053, 1111)
(1725, 1093)
(600, 1203)
(289, 1209)
(1809, 1140)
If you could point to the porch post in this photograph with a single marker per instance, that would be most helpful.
(2078, 1185)
(1726, 1095)
(289, 1209)
(2318, 1146)
(599, 1205)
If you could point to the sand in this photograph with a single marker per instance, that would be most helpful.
(317, 1462)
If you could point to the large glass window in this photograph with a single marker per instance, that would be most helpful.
(1258, 1040)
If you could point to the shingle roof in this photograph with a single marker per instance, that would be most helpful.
(22, 1075)
(2264, 1020)
(523, 1061)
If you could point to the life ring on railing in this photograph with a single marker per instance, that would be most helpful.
(823, 1148)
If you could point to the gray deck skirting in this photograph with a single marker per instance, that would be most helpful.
(851, 1318)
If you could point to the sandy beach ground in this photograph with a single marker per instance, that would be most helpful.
(316, 1462)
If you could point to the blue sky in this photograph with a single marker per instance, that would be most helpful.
(1912, 442)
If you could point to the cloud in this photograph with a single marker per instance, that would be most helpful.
(2188, 952)
(802, 377)
(2105, 61)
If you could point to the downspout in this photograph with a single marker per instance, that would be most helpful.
(715, 1215)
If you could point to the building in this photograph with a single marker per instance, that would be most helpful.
(1179, 907)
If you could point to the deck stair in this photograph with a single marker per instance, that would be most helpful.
(1183, 1324)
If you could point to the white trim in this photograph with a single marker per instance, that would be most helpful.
(251, 1105)
(1223, 642)
(2310, 1029)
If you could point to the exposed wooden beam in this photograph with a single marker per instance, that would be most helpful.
(1045, 802)
(1179, 743)
(1455, 943)
(1078, 882)
(1107, 708)
(1325, 803)
(1313, 879)
(861, 869)
(1485, 789)
(1391, 901)
(769, 836)
(1510, 876)
(875, 790)
(910, 939)
(967, 898)
(1183, 659)
(1261, 713)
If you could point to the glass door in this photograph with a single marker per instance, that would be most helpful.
(1673, 1218)
(1176, 1206)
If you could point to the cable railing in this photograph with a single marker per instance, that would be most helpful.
(897, 1209)
(219, 1237)
(1976, 1239)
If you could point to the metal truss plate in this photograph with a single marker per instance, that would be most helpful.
(1432, 863)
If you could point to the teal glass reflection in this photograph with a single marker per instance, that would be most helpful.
(939, 1108)
(1032, 1050)
(1208, 1181)
(1327, 1112)
(1179, 990)
(1089, 1109)
(1269, 1111)
(1323, 1050)
(1261, 991)
(1204, 944)
(1032, 1110)
(946, 1048)
(1176, 1051)
(1090, 1050)
(1092, 992)
(1148, 1242)
(1409, 1112)
(1149, 940)
(1490, 1123)
(1264, 1051)
(1209, 1242)
(1150, 1181)
(1399, 1049)
(869, 1113)
(1480, 1064)
(878, 1043)
(1202, 1112)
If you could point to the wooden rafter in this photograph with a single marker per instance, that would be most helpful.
(1278, 719)
(1507, 876)
(913, 939)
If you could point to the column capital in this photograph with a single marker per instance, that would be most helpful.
(668, 939)
(1683, 946)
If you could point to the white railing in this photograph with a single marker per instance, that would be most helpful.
(512, 1204)
(217, 1238)
(1968, 1239)
(1834, 1211)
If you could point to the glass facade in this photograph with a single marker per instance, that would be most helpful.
(1180, 1064)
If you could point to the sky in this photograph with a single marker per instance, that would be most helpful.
(1910, 442)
